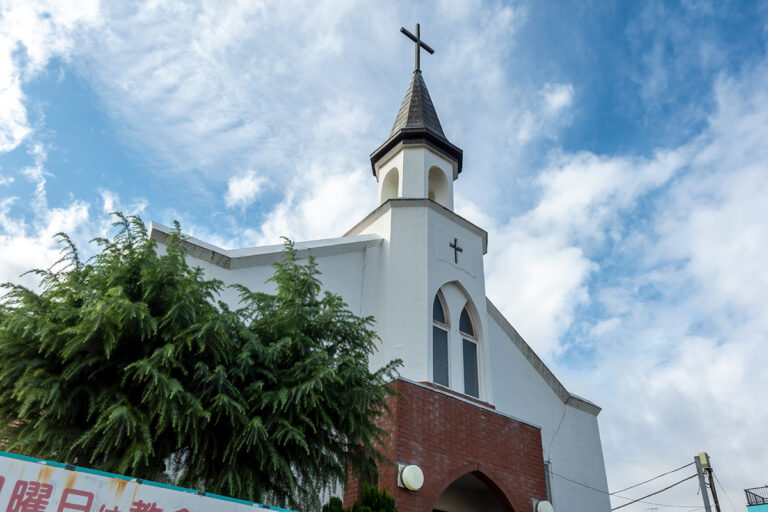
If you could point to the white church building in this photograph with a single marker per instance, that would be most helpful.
(487, 423)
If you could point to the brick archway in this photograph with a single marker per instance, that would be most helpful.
(481, 472)
(449, 436)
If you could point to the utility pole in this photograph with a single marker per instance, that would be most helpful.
(704, 457)
(702, 485)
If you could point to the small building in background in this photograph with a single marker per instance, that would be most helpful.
(757, 499)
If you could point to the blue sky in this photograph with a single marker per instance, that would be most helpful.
(617, 153)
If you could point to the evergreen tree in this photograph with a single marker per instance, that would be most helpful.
(129, 363)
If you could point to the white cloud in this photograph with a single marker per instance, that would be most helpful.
(546, 114)
(208, 90)
(242, 190)
(37, 175)
(31, 33)
(32, 244)
(535, 269)
(557, 97)
(111, 203)
(678, 323)
(28, 246)
(326, 204)
(213, 88)
(549, 253)
(13, 115)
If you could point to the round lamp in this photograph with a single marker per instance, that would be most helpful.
(544, 506)
(412, 477)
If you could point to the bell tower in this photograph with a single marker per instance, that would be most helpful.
(431, 312)
(417, 161)
(431, 259)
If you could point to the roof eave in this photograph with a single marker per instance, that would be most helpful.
(418, 136)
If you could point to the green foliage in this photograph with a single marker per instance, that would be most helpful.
(372, 500)
(129, 363)
(333, 505)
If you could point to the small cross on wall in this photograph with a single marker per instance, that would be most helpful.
(456, 250)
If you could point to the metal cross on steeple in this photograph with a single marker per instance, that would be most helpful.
(419, 44)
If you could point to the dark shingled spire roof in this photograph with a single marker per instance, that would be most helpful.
(417, 110)
(417, 123)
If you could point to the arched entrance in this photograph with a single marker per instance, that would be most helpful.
(473, 492)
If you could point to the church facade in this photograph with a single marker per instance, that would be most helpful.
(486, 423)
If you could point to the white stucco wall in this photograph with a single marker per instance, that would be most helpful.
(344, 265)
(570, 435)
(415, 262)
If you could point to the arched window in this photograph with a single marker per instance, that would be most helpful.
(439, 342)
(439, 189)
(469, 349)
(390, 185)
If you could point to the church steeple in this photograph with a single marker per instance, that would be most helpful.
(417, 122)
(417, 130)
(417, 111)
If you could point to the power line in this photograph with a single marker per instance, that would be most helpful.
(654, 493)
(726, 492)
(652, 479)
(624, 497)
(691, 507)
(583, 485)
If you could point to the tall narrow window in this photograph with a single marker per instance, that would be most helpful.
(469, 342)
(439, 343)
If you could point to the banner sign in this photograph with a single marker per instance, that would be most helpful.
(34, 485)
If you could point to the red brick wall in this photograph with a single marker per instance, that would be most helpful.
(448, 438)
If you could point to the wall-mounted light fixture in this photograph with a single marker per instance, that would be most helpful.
(542, 506)
(410, 476)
